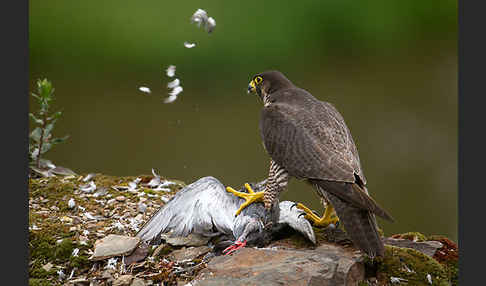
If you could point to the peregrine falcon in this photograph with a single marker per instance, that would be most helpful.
(308, 139)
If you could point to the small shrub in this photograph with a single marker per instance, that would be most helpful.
(40, 139)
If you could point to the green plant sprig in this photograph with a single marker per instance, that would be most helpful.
(40, 139)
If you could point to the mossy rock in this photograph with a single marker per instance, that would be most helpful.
(448, 256)
(54, 242)
(412, 265)
(413, 236)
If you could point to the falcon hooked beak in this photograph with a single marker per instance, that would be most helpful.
(251, 87)
(256, 86)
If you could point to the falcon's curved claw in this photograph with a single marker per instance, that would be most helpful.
(329, 217)
(234, 247)
(250, 197)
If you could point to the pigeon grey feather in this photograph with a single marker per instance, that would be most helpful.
(206, 208)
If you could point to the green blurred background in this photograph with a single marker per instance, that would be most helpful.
(390, 67)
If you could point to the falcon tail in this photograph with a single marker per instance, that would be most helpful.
(360, 224)
(354, 195)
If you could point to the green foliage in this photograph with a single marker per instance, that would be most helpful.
(40, 139)
(39, 282)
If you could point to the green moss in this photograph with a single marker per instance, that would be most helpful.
(108, 181)
(39, 272)
(397, 260)
(149, 191)
(448, 256)
(53, 188)
(79, 262)
(414, 236)
(39, 282)
(43, 243)
(452, 270)
(166, 250)
(64, 250)
(43, 248)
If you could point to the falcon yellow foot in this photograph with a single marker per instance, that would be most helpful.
(250, 197)
(329, 216)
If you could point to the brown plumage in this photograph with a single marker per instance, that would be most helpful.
(308, 139)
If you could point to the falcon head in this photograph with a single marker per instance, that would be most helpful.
(268, 82)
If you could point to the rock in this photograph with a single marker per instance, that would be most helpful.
(138, 282)
(101, 192)
(139, 254)
(66, 219)
(190, 240)
(188, 254)
(47, 267)
(123, 280)
(107, 274)
(79, 282)
(114, 245)
(63, 171)
(426, 247)
(120, 198)
(325, 265)
(141, 207)
(159, 249)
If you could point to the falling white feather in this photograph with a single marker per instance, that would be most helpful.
(144, 89)
(176, 82)
(171, 71)
(189, 45)
(170, 99)
(176, 90)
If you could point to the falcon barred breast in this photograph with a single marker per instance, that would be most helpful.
(308, 139)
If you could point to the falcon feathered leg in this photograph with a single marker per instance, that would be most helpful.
(276, 182)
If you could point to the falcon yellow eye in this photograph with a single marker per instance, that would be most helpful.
(258, 79)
